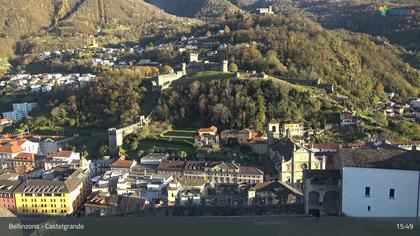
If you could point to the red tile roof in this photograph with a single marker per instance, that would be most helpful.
(25, 156)
(10, 147)
(122, 163)
(212, 129)
(62, 154)
(258, 137)
(250, 170)
(21, 141)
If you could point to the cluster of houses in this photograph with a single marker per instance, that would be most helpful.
(331, 175)
(209, 138)
(37, 177)
(393, 112)
(109, 56)
(372, 179)
(375, 179)
(42, 83)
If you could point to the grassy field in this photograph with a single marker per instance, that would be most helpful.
(204, 76)
(179, 135)
(147, 144)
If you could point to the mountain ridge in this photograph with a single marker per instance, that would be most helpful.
(203, 9)
(77, 19)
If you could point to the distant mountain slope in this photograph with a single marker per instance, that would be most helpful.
(136, 13)
(358, 64)
(354, 15)
(46, 23)
(186, 8)
(196, 8)
(19, 18)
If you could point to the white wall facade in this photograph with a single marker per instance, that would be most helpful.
(30, 147)
(356, 204)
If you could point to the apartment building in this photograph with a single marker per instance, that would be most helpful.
(62, 195)
(7, 198)
(20, 111)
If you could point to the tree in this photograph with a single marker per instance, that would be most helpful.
(103, 150)
(134, 144)
(221, 113)
(59, 114)
(167, 69)
(233, 67)
(182, 154)
(409, 130)
(261, 118)
(380, 118)
(379, 89)
(85, 154)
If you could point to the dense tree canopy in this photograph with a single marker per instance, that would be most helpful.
(113, 99)
(236, 104)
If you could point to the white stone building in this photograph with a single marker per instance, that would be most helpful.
(380, 182)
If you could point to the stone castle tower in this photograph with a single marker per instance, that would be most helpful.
(273, 131)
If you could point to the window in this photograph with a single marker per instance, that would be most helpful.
(368, 208)
(392, 193)
(367, 191)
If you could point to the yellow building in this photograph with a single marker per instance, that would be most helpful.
(293, 129)
(222, 172)
(59, 196)
(291, 159)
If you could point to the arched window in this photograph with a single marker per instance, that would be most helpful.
(273, 129)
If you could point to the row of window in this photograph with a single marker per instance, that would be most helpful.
(43, 211)
(8, 200)
(391, 192)
(232, 176)
(227, 180)
(43, 205)
(45, 195)
(8, 206)
(42, 200)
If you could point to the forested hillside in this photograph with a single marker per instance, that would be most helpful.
(204, 9)
(360, 65)
(21, 18)
(62, 24)
(354, 15)
(237, 103)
